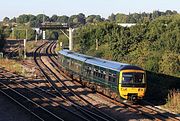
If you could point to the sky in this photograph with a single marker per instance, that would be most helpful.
(14, 8)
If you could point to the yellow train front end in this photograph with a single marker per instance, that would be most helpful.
(132, 84)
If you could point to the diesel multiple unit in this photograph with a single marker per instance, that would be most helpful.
(114, 79)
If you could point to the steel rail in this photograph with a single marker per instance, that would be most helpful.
(53, 85)
(90, 114)
(86, 101)
(149, 115)
(31, 101)
(47, 92)
(105, 116)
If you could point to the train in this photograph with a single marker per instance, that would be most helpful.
(116, 80)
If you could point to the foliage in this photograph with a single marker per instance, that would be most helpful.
(138, 17)
(20, 32)
(52, 35)
(29, 20)
(64, 40)
(173, 101)
(154, 45)
(2, 40)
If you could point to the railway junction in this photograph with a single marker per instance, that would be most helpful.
(50, 94)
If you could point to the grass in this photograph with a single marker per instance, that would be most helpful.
(30, 45)
(173, 101)
(12, 66)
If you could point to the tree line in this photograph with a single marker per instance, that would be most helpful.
(154, 46)
(28, 21)
(80, 19)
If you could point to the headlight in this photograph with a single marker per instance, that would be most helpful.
(140, 89)
(124, 89)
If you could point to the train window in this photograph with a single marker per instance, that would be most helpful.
(112, 77)
(104, 76)
(77, 66)
(133, 78)
(99, 73)
(94, 73)
(138, 77)
(88, 70)
(127, 77)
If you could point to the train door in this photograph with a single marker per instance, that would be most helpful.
(122, 90)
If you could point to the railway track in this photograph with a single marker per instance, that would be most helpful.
(53, 98)
(64, 92)
(43, 104)
(163, 113)
(24, 97)
(44, 95)
(86, 102)
(148, 109)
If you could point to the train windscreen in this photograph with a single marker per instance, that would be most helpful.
(131, 77)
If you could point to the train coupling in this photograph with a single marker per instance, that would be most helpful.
(132, 97)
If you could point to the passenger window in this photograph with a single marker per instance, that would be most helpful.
(112, 78)
(88, 70)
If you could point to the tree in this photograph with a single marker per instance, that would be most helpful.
(121, 18)
(81, 18)
(6, 20)
(97, 19)
(131, 19)
(94, 19)
(169, 12)
(170, 63)
(112, 18)
(32, 18)
(77, 20)
(23, 19)
(63, 19)
(90, 18)
(54, 18)
(13, 20)
(40, 17)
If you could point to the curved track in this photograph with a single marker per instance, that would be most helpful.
(148, 109)
(64, 92)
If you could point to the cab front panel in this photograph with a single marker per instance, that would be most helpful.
(132, 84)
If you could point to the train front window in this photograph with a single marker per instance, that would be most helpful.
(132, 78)
(127, 78)
(138, 77)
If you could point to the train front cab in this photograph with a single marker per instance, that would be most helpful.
(132, 84)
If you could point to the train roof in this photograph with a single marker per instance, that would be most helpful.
(97, 61)
(73, 55)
